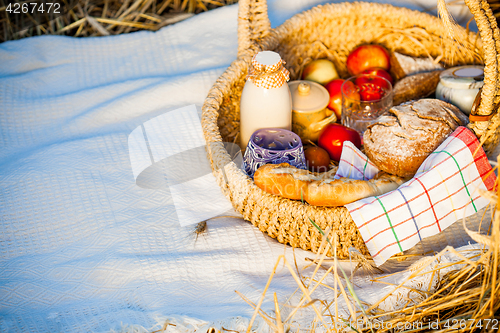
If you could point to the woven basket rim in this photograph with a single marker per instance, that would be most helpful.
(218, 156)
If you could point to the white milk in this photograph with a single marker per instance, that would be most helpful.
(262, 107)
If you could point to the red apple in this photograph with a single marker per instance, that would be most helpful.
(321, 71)
(335, 103)
(379, 72)
(368, 56)
(333, 136)
(371, 87)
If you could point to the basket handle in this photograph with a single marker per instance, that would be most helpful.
(490, 37)
(253, 25)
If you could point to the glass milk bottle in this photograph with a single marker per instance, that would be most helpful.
(266, 100)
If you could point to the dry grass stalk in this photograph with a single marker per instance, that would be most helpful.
(84, 18)
(464, 296)
(462, 293)
(454, 31)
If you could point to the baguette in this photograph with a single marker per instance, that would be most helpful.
(320, 189)
(340, 192)
(283, 180)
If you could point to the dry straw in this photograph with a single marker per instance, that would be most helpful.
(449, 291)
(86, 18)
(462, 293)
(469, 293)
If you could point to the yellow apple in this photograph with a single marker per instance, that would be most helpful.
(321, 71)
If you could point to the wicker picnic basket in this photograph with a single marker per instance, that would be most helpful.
(332, 31)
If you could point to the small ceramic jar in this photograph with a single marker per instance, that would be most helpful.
(460, 85)
(275, 146)
(309, 109)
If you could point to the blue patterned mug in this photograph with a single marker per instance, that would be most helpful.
(275, 146)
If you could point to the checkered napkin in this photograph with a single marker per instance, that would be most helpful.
(354, 164)
(444, 189)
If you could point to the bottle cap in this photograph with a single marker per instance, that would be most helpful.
(267, 70)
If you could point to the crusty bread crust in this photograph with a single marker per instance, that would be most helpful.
(399, 142)
(415, 86)
(283, 180)
(320, 190)
(342, 191)
(403, 65)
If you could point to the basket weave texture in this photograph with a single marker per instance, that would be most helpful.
(332, 31)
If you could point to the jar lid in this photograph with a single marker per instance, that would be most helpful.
(308, 96)
(267, 70)
(463, 77)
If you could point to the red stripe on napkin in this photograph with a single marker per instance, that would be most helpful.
(444, 189)
(431, 203)
(482, 163)
(421, 212)
(412, 235)
(410, 182)
(361, 156)
(352, 166)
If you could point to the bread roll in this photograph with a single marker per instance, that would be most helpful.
(342, 191)
(399, 142)
(287, 181)
(283, 180)
(320, 189)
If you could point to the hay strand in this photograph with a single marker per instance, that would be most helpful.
(83, 18)
(462, 291)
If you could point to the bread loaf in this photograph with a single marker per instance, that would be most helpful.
(399, 142)
(403, 65)
(320, 189)
(415, 86)
(340, 192)
(283, 180)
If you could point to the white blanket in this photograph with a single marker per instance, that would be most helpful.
(82, 247)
